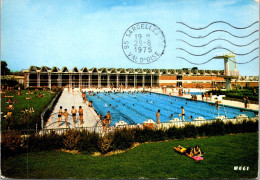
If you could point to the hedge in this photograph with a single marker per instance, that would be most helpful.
(239, 94)
(88, 142)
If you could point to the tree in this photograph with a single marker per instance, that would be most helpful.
(4, 69)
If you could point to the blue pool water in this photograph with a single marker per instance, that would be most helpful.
(138, 107)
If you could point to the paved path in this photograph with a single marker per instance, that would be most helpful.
(225, 102)
(67, 100)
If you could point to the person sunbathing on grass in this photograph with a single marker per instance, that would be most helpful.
(189, 152)
(197, 150)
(180, 149)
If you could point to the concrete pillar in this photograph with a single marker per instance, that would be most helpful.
(38, 79)
(49, 80)
(151, 80)
(134, 80)
(126, 80)
(228, 83)
(80, 80)
(143, 80)
(117, 77)
(70, 80)
(60, 80)
(108, 80)
(89, 80)
(226, 66)
(99, 80)
(28, 80)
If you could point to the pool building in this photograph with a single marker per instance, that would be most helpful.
(36, 77)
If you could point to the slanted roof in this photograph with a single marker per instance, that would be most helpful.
(84, 70)
(65, 69)
(75, 69)
(34, 69)
(55, 69)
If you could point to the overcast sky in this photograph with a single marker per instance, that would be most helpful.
(82, 33)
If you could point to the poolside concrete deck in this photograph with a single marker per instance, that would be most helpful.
(67, 100)
(223, 101)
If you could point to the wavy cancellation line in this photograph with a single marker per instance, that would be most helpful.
(242, 45)
(199, 37)
(214, 58)
(215, 49)
(215, 22)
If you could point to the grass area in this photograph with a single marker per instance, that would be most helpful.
(37, 103)
(239, 94)
(149, 160)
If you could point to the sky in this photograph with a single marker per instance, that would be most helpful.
(88, 33)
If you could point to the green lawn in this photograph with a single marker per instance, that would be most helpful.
(37, 103)
(151, 160)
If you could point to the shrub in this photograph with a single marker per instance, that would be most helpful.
(48, 141)
(104, 144)
(213, 129)
(250, 126)
(88, 141)
(190, 131)
(71, 139)
(232, 128)
(122, 139)
(175, 133)
(159, 135)
(10, 143)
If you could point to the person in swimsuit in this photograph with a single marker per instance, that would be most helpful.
(182, 114)
(80, 115)
(158, 116)
(73, 112)
(189, 152)
(66, 115)
(60, 116)
(180, 149)
(197, 150)
(83, 96)
(108, 118)
(104, 123)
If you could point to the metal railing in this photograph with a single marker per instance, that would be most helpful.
(49, 108)
(163, 126)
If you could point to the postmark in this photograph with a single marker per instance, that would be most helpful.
(143, 43)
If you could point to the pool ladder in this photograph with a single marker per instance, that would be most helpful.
(218, 111)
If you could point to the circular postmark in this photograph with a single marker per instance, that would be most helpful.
(143, 43)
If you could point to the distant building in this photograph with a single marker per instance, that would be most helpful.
(105, 77)
(19, 79)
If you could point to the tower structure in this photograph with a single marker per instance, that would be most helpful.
(230, 67)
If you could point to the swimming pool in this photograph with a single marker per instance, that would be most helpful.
(138, 107)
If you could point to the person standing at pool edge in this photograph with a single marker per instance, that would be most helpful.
(182, 114)
(80, 115)
(66, 115)
(158, 116)
(108, 118)
(73, 112)
(60, 116)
